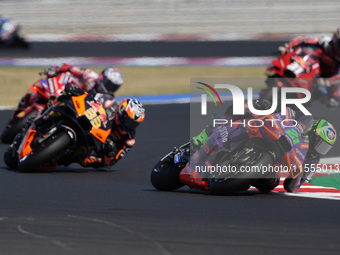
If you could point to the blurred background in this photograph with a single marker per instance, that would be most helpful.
(211, 39)
(172, 16)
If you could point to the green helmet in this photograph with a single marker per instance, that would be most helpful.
(322, 136)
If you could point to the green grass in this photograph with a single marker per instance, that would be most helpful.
(15, 81)
(332, 180)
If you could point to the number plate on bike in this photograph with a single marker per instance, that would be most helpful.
(177, 157)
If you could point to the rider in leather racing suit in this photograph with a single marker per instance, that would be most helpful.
(319, 145)
(329, 61)
(108, 82)
(126, 117)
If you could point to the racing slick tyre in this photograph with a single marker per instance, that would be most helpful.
(241, 181)
(165, 176)
(15, 127)
(48, 151)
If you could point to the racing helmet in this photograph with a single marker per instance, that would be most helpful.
(110, 79)
(130, 114)
(322, 136)
(335, 43)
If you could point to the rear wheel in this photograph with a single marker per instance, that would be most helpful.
(15, 127)
(241, 181)
(47, 152)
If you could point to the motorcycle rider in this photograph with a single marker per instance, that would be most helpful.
(126, 116)
(321, 135)
(107, 82)
(123, 120)
(329, 61)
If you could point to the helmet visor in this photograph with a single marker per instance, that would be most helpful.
(322, 147)
(129, 123)
(110, 87)
(100, 86)
(106, 86)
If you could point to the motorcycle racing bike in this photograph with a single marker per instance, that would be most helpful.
(299, 68)
(33, 102)
(10, 34)
(277, 145)
(63, 133)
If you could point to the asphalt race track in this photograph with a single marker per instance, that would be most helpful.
(82, 211)
(141, 49)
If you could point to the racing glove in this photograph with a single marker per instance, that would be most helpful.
(198, 141)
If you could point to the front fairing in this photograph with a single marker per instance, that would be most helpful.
(52, 86)
(40, 93)
(95, 111)
(288, 134)
(303, 62)
(299, 68)
(278, 65)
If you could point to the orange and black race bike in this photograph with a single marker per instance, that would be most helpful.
(64, 133)
(236, 156)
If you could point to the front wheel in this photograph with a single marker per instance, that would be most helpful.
(165, 176)
(47, 152)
